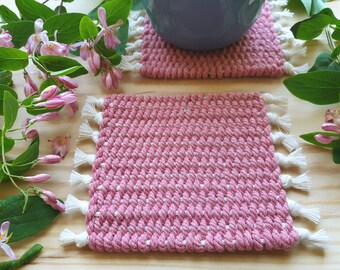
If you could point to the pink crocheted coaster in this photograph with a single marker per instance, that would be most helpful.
(189, 173)
(257, 54)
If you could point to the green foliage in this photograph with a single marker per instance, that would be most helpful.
(10, 110)
(311, 28)
(123, 36)
(36, 218)
(88, 30)
(336, 155)
(58, 63)
(5, 88)
(137, 5)
(8, 15)
(111, 54)
(318, 87)
(27, 257)
(66, 25)
(117, 9)
(13, 59)
(20, 32)
(31, 10)
(6, 77)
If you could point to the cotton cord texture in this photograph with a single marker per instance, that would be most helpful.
(265, 51)
(188, 173)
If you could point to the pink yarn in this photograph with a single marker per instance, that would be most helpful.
(187, 173)
(257, 54)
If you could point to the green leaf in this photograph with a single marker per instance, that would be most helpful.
(20, 32)
(57, 63)
(12, 59)
(117, 9)
(66, 25)
(87, 28)
(335, 52)
(10, 110)
(37, 216)
(336, 155)
(6, 77)
(309, 137)
(8, 15)
(9, 144)
(317, 6)
(31, 10)
(336, 34)
(322, 62)
(307, 5)
(110, 54)
(137, 5)
(123, 36)
(37, 111)
(311, 27)
(93, 13)
(4, 88)
(60, 9)
(318, 87)
(27, 257)
(66, 71)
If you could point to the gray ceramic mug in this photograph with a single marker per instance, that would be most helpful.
(202, 24)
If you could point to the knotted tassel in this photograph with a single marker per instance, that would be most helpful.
(81, 158)
(133, 46)
(296, 210)
(296, 50)
(286, 14)
(68, 237)
(73, 205)
(294, 159)
(276, 100)
(287, 140)
(127, 65)
(319, 239)
(291, 70)
(300, 182)
(77, 178)
(86, 132)
(277, 3)
(97, 102)
(286, 38)
(283, 122)
(90, 112)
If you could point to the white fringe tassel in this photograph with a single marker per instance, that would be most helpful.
(281, 101)
(68, 237)
(287, 140)
(97, 102)
(298, 49)
(73, 205)
(81, 158)
(301, 182)
(86, 132)
(296, 210)
(283, 122)
(319, 239)
(277, 3)
(90, 112)
(291, 70)
(284, 14)
(77, 178)
(294, 159)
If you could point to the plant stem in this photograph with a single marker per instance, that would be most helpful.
(330, 42)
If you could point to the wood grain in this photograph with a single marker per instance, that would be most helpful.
(306, 118)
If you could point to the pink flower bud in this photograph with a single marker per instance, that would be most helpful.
(84, 51)
(50, 196)
(50, 159)
(30, 87)
(5, 39)
(68, 97)
(325, 139)
(58, 206)
(71, 108)
(48, 93)
(32, 134)
(94, 61)
(330, 127)
(24, 125)
(43, 177)
(45, 117)
(67, 82)
(38, 26)
(61, 145)
(53, 103)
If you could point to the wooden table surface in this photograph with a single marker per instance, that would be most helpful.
(306, 117)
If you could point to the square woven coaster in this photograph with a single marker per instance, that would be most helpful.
(187, 173)
(258, 54)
